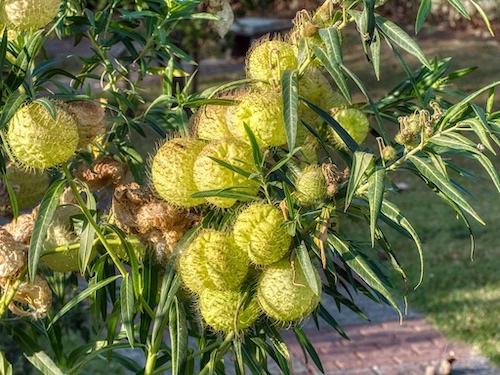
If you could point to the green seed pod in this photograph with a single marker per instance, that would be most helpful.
(172, 171)
(310, 186)
(28, 14)
(211, 175)
(389, 153)
(354, 122)
(268, 59)
(316, 88)
(259, 230)
(262, 112)
(226, 310)
(213, 261)
(284, 294)
(30, 186)
(210, 122)
(60, 234)
(38, 141)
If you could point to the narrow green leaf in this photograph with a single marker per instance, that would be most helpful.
(80, 297)
(226, 193)
(392, 213)
(127, 303)
(280, 348)
(334, 70)
(331, 40)
(376, 188)
(327, 317)
(484, 16)
(306, 346)
(290, 98)
(308, 268)
(239, 363)
(88, 233)
(363, 268)
(48, 105)
(4, 44)
(423, 11)
(490, 168)
(252, 363)
(346, 137)
(361, 161)
(43, 219)
(402, 39)
(178, 336)
(375, 46)
(34, 354)
(12, 104)
(257, 155)
(231, 167)
(5, 366)
(457, 4)
(444, 185)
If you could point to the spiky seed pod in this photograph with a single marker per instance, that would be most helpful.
(38, 141)
(30, 186)
(227, 310)
(61, 234)
(36, 295)
(90, 118)
(13, 255)
(389, 153)
(28, 14)
(262, 111)
(268, 59)
(172, 171)
(284, 294)
(354, 122)
(211, 175)
(310, 186)
(316, 88)
(210, 122)
(213, 261)
(259, 230)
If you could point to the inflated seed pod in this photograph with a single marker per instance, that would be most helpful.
(354, 122)
(227, 310)
(29, 185)
(268, 59)
(172, 171)
(284, 294)
(310, 186)
(262, 111)
(28, 14)
(259, 230)
(38, 141)
(208, 174)
(213, 261)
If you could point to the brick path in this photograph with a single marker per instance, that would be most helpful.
(383, 346)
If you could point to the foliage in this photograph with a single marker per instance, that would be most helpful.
(126, 259)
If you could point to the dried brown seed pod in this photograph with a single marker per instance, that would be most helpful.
(90, 118)
(13, 255)
(22, 228)
(105, 172)
(137, 211)
(36, 295)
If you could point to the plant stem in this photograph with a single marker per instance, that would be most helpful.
(222, 351)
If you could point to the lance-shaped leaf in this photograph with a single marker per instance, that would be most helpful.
(14, 101)
(308, 268)
(256, 154)
(43, 219)
(127, 303)
(5, 366)
(290, 97)
(363, 268)
(457, 4)
(178, 336)
(393, 215)
(376, 188)
(423, 11)
(375, 53)
(361, 161)
(280, 348)
(483, 15)
(334, 70)
(33, 353)
(444, 185)
(331, 40)
(88, 233)
(306, 346)
(402, 39)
